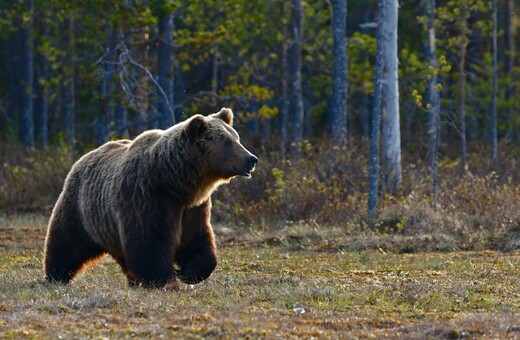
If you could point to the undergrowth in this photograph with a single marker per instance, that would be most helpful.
(328, 188)
(32, 179)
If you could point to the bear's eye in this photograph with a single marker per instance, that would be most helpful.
(228, 144)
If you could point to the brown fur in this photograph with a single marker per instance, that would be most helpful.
(147, 203)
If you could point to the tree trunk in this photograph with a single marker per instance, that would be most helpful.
(121, 112)
(283, 104)
(121, 119)
(142, 88)
(509, 46)
(155, 91)
(495, 89)
(376, 115)
(364, 115)
(434, 101)
(41, 101)
(253, 121)
(214, 71)
(105, 91)
(462, 100)
(12, 67)
(433, 94)
(294, 66)
(265, 131)
(339, 73)
(26, 114)
(391, 129)
(165, 71)
(68, 84)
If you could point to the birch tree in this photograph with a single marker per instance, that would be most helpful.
(294, 66)
(391, 129)
(433, 94)
(434, 101)
(339, 73)
(376, 115)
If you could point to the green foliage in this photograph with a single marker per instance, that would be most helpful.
(242, 43)
(361, 52)
(441, 71)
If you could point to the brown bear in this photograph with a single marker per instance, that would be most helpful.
(147, 203)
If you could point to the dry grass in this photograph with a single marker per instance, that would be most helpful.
(264, 276)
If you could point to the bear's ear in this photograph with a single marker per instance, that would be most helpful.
(197, 125)
(225, 114)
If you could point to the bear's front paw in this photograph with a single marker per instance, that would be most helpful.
(193, 277)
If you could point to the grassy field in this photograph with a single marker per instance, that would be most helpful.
(268, 284)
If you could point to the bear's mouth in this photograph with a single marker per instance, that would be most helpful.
(244, 172)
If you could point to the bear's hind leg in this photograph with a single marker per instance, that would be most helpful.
(64, 261)
(67, 249)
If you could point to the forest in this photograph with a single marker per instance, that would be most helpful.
(388, 138)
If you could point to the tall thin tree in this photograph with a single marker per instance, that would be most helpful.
(376, 115)
(282, 86)
(463, 46)
(433, 95)
(339, 73)
(106, 89)
(294, 66)
(69, 82)
(494, 135)
(509, 58)
(121, 111)
(12, 63)
(41, 100)
(165, 70)
(26, 114)
(434, 101)
(391, 123)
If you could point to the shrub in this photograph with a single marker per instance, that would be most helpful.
(33, 179)
(328, 188)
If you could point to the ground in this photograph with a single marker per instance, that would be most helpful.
(268, 284)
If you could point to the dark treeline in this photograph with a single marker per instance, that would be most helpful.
(83, 72)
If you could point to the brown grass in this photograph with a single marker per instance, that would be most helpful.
(264, 276)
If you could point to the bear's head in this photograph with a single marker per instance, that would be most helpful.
(215, 138)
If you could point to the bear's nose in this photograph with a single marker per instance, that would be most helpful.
(252, 161)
